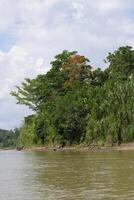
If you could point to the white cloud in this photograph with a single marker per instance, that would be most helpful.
(108, 6)
(43, 28)
(15, 65)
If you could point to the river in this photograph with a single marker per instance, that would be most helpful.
(67, 175)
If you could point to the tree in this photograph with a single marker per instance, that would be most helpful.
(47, 86)
(121, 61)
(74, 103)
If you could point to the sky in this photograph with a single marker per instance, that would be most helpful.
(32, 32)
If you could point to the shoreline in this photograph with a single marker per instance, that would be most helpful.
(91, 148)
(125, 146)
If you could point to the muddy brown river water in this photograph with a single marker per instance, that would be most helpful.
(67, 175)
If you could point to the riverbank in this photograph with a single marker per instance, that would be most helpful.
(127, 146)
(7, 149)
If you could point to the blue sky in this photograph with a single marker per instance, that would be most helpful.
(33, 31)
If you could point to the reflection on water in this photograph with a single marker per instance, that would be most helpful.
(66, 175)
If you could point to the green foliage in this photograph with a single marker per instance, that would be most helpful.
(27, 137)
(74, 103)
(8, 139)
(112, 113)
(121, 61)
(44, 128)
(69, 114)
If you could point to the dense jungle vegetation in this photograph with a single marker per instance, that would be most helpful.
(8, 139)
(75, 103)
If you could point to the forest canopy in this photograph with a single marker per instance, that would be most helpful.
(75, 103)
(8, 138)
